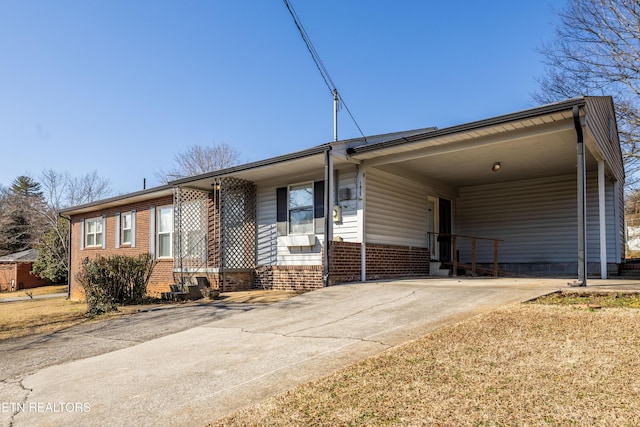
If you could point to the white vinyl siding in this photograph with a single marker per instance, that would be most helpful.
(266, 236)
(268, 249)
(347, 229)
(395, 210)
(537, 220)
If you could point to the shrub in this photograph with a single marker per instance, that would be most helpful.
(117, 279)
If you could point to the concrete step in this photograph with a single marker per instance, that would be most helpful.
(436, 269)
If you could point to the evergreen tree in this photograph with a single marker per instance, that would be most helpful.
(52, 262)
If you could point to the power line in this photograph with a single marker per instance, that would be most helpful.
(319, 64)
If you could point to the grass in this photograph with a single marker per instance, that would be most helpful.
(527, 364)
(42, 290)
(39, 316)
(592, 299)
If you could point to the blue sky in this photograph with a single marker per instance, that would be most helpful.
(120, 87)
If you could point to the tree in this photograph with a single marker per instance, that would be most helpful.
(53, 258)
(62, 190)
(197, 160)
(19, 226)
(25, 186)
(596, 51)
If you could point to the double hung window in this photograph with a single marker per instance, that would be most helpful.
(165, 231)
(301, 209)
(126, 228)
(93, 232)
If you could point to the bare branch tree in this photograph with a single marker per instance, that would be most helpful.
(196, 160)
(596, 51)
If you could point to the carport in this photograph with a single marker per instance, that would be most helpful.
(546, 182)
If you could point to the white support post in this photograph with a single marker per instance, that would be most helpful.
(361, 198)
(602, 217)
(617, 202)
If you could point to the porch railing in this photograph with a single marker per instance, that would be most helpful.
(456, 241)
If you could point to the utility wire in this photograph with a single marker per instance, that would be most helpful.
(319, 64)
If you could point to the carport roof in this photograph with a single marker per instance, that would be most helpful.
(362, 151)
(534, 143)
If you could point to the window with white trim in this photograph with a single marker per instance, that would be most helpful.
(93, 232)
(125, 228)
(301, 208)
(165, 231)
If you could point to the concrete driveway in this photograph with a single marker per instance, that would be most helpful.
(217, 367)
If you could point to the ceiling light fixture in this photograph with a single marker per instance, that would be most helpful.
(496, 166)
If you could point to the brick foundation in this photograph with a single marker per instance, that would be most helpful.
(229, 281)
(392, 262)
(288, 277)
(383, 262)
(346, 263)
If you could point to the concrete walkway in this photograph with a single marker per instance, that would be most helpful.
(215, 368)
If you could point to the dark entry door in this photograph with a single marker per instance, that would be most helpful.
(444, 238)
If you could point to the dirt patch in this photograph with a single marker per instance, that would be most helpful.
(529, 364)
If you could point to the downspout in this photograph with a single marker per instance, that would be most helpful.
(328, 218)
(582, 215)
(68, 256)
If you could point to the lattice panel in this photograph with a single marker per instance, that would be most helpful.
(237, 223)
(191, 211)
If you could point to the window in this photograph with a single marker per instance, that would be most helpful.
(93, 232)
(301, 209)
(165, 232)
(125, 232)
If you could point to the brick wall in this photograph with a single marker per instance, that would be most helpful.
(383, 262)
(162, 275)
(390, 262)
(26, 280)
(346, 263)
(233, 280)
(20, 274)
(288, 277)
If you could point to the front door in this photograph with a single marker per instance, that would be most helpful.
(433, 227)
(444, 230)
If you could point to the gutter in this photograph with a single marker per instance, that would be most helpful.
(328, 218)
(494, 121)
(68, 255)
